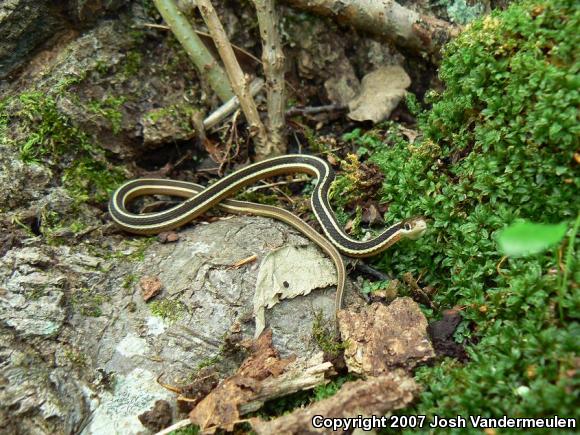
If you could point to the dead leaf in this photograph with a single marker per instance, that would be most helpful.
(220, 408)
(277, 277)
(374, 396)
(381, 92)
(441, 332)
(150, 287)
(382, 338)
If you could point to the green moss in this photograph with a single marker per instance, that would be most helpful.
(180, 114)
(134, 59)
(44, 135)
(88, 302)
(92, 180)
(192, 429)
(42, 130)
(325, 336)
(171, 310)
(208, 362)
(129, 250)
(129, 281)
(499, 146)
(110, 109)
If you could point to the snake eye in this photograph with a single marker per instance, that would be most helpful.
(407, 227)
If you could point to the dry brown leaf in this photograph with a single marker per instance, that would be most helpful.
(150, 287)
(374, 396)
(381, 92)
(220, 408)
(382, 338)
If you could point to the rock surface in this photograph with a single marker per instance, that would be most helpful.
(82, 347)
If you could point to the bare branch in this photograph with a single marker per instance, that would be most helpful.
(273, 60)
(196, 50)
(239, 83)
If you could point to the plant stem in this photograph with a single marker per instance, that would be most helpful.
(569, 254)
(196, 50)
(240, 84)
(274, 63)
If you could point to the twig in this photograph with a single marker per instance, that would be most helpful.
(230, 106)
(293, 111)
(197, 51)
(273, 61)
(239, 83)
(365, 268)
(207, 35)
(278, 183)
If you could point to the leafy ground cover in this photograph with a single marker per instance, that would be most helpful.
(499, 146)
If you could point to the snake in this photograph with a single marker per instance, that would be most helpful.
(198, 199)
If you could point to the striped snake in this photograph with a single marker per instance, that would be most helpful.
(200, 199)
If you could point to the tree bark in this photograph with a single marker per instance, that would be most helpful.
(388, 19)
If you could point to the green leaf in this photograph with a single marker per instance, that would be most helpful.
(527, 238)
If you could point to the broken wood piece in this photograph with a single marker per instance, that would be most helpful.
(382, 338)
(244, 261)
(220, 408)
(300, 375)
(374, 396)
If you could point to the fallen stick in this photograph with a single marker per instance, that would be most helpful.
(387, 19)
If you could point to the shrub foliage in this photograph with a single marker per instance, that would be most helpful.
(498, 146)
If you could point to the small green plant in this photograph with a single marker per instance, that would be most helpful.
(498, 148)
(129, 281)
(322, 392)
(170, 310)
(325, 337)
(526, 238)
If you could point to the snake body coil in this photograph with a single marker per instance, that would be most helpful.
(201, 199)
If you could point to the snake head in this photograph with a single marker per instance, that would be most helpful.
(414, 228)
